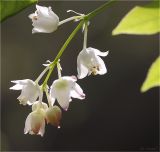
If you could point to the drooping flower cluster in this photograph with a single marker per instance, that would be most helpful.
(64, 88)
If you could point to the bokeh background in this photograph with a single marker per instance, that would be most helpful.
(114, 115)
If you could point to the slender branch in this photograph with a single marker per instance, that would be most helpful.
(52, 65)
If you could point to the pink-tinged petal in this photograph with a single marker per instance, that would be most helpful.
(35, 123)
(42, 129)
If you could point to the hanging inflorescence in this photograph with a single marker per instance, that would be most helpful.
(65, 87)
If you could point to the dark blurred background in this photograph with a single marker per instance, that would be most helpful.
(114, 115)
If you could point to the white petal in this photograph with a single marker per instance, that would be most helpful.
(16, 87)
(81, 69)
(102, 66)
(23, 100)
(61, 91)
(70, 78)
(40, 30)
(77, 92)
(42, 10)
(44, 25)
(52, 14)
(63, 97)
(27, 127)
(51, 97)
(22, 82)
(52, 100)
(30, 93)
(98, 52)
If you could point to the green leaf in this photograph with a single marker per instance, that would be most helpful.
(11, 7)
(153, 76)
(140, 20)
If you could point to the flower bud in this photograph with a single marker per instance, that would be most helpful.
(53, 115)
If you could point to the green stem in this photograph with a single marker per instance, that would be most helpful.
(52, 65)
(86, 19)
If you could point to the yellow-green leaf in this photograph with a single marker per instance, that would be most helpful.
(153, 76)
(11, 7)
(140, 20)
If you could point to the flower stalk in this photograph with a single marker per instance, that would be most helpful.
(85, 35)
(52, 65)
(64, 88)
(69, 19)
(85, 19)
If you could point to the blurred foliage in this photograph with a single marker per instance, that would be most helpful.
(9, 8)
(140, 20)
(143, 21)
(153, 76)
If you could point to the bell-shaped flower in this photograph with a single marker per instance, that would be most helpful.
(35, 122)
(53, 115)
(63, 89)
(89, 62)
(30, 91)
(44, 20)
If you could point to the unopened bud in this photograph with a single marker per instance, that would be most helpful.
(53, 115)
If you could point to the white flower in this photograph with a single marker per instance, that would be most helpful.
(63, 89)
(89, 62)
(35, 122)
(30, 91)
(44, 20)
